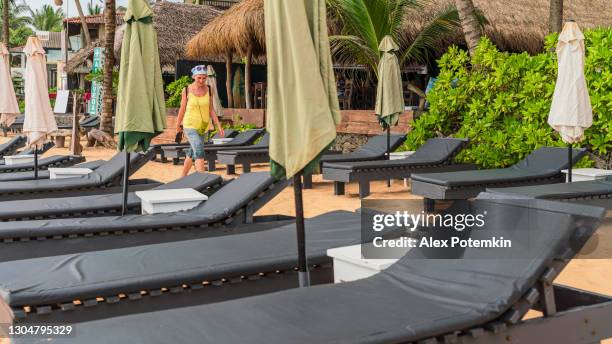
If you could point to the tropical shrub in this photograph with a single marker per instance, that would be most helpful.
(175, 89)
(500, 101)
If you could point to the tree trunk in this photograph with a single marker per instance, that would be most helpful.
(555, 20)
(247, 78)
(228, 80)
(5, 23)
(109, 63)
(469, 23)
(83, 23)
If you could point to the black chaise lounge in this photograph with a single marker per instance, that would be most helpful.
(177, 151)
(542, 166)
(97, 205)
(46, 146)
(104, 179)
(256, 153)
(475, 297)
(243, 141)
(258, 259)
(12, 145)
(593, 192)
(45, 174)
(233, 204)
(435, 155)
(374, 149)
(44, 163)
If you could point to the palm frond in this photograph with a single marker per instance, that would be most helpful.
(352, 50)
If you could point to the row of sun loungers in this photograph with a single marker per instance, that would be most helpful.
(177, 151)
(12, 145)
(116, 295)
(45, 147)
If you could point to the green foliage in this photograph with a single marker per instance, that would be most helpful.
(21, 106)
(99, 77)
(502, 103)
(47, 18)
(18, 23)
(175, 89)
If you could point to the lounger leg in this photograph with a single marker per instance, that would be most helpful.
(429, 205)
(338, 188)
(231, 169)
(307, 182)
(162, 157)
(246, 167)
(364, 189)
(175, 161)
(211, 165)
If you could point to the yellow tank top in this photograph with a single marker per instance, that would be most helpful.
(197, 115)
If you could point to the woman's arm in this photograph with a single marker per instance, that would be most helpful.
(214, 117)
(182, 110)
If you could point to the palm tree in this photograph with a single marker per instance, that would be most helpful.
(110, 23)
(14, 26)
(83, 23)
(555, 21)
(94, 9)
(469, 23)
(47, 19)
(366, 22)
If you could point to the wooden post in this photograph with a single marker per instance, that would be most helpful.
(228, 80)
(247, 78)
(75, 141)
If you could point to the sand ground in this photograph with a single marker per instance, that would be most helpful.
(589, 274)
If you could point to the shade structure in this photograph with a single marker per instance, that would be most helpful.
(571, 112)
(9, 108)
(141, 111)
(389, 92)
(39, 119)
(302, 105)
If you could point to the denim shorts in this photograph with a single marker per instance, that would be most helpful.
(196, 143)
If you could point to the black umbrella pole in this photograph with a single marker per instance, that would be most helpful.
(303, 274)
(126, 175)
(569, 161)
(388, 150)
(35, 162)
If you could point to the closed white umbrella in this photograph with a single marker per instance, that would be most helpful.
(9, 108)
(571, 112)
(39, 120)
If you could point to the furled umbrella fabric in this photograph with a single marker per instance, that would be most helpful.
(302, 104)
(389, 93)
(9, 108)
(141, 111)
(571, 113)
(39, 119)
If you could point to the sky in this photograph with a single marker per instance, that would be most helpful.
(72, 12)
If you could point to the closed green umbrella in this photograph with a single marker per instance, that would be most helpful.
(389, 93)
(302, 105)
(141, 111)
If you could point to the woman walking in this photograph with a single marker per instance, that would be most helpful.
(197, 109)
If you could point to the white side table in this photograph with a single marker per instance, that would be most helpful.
(18, 159)
(68, 172)
(583, 174)
(349, 266)
(169, 201)
(400, 156)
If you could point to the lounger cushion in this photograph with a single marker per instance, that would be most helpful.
(218, 207)
(375, 148)
(412, 300)
(29, 175)
(104, 174)
(44, 163)
(82, 204)
(84, 275)
(544, 162)
(558, 191)
(433, 152)
(12, 145)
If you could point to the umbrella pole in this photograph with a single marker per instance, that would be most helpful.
(303, 274)
(569, 161)
(126, 174)
(35, 162)
(388, 150)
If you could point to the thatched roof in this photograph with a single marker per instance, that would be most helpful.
(82, 60)
(175, 24)
(517, 25)
(234, 31)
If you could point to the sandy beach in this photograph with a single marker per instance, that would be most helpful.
(590, 274)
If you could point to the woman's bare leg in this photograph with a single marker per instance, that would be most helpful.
(187, 166)
(200, 165)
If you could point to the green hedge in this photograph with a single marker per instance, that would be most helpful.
(502, 104)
